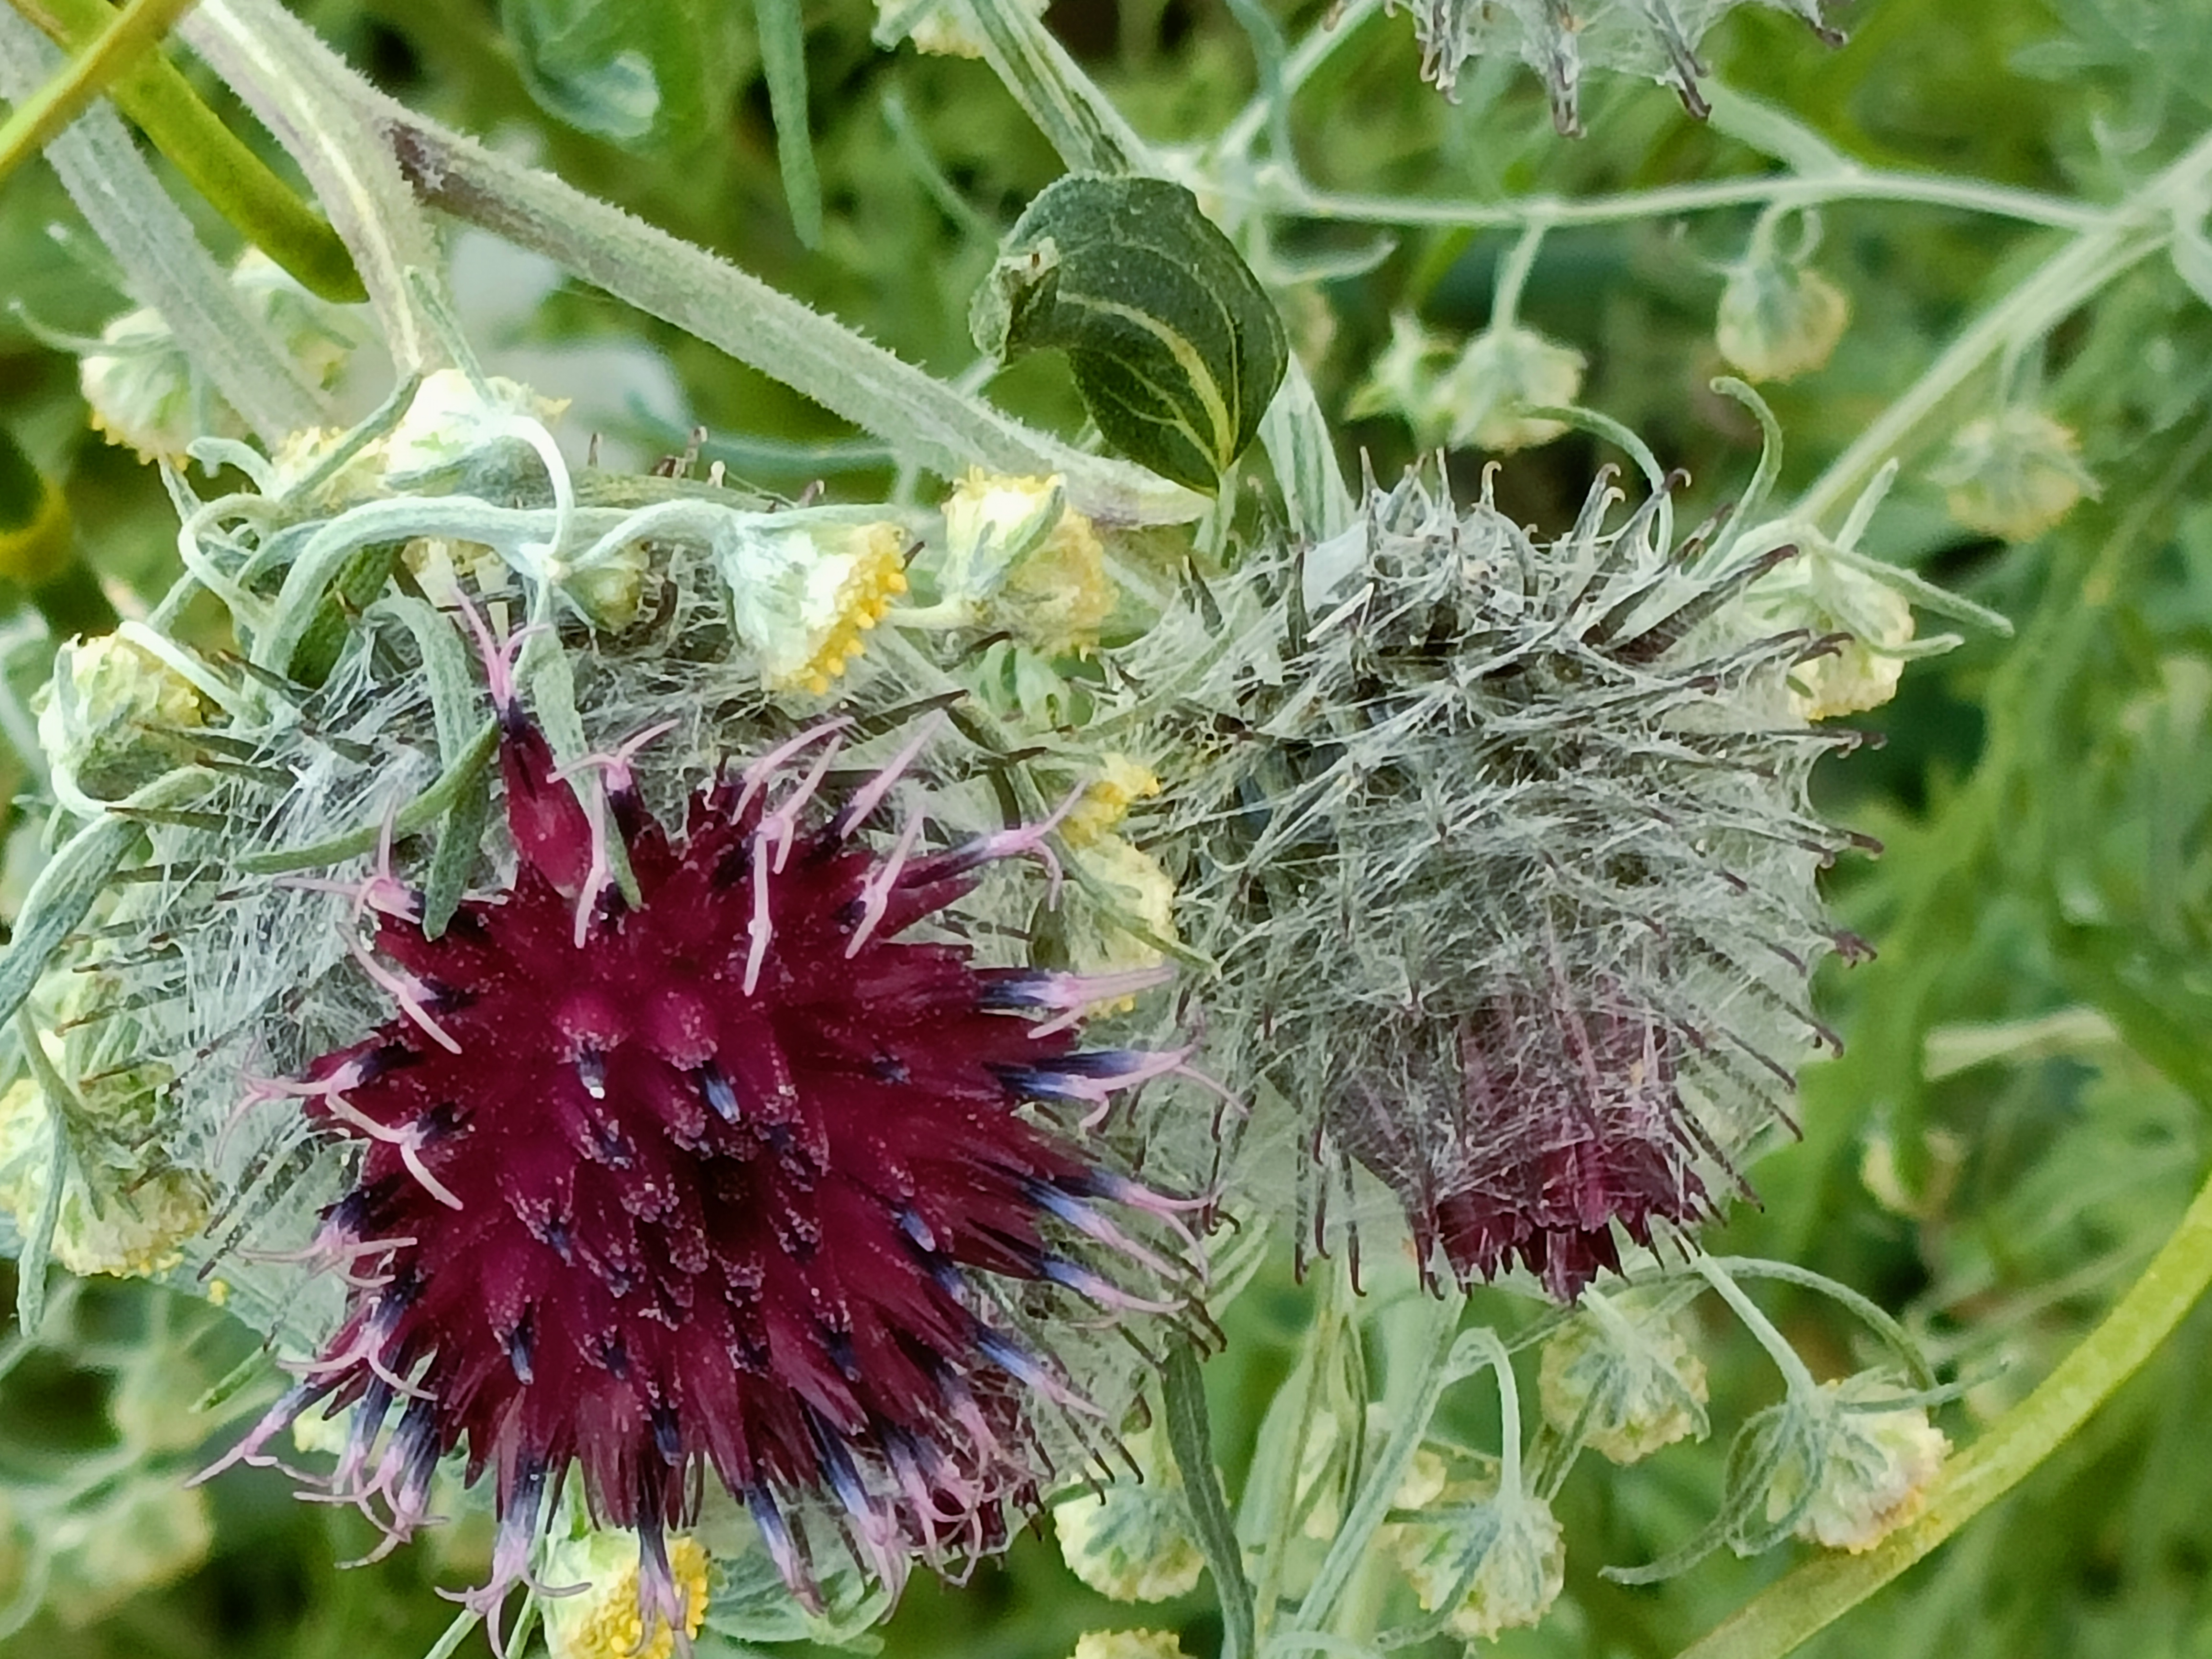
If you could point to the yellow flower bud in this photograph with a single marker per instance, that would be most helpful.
(1121, 782)
(1019, 559)
(2012, 474)
(1779, 319)
(1132, 1539)
(605, 1621)
(1875, 1469)
(127, 1223)
(1518, 1558)
(1129, 1644)
(108, 716)
(1632, 1371)
(804, 597)
(1828, 595)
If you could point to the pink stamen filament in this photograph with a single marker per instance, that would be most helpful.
(876, 890)
(407, 994)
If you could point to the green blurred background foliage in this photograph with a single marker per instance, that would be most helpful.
(2021, 1113)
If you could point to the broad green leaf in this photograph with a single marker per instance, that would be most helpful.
(1175, 347)
(646, 78)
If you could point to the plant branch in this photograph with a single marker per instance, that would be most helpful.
(1816, 1594)
(302, 92)
(164, 264)
(921, 417)
(127, 37)
(235, 181)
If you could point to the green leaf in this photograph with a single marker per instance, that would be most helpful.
(653, 77)
(783, 62)
(1175, 347)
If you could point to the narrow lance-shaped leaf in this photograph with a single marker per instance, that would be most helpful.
(1175, 347)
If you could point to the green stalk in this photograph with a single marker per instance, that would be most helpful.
(235, 181)
(1812, 1597)
(127, 37)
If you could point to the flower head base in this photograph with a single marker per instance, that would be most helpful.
(1541, 819)
(729, 1177)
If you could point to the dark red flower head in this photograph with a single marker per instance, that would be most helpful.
(1560, 1118)
(727, 1177)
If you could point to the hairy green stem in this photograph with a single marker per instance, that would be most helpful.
(1814, 1594)
(921, 417)
(1192, 1442)
(299, 89)
(235, 181)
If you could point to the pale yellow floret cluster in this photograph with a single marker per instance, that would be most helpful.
(1132, 1539)
(1876, 1475)
(1129, 1644)
(605, 1621)
(874, 574)
(1120, 784)
(131, 1228)
(1522, 1569)
(2013, 474)
(1022, 560)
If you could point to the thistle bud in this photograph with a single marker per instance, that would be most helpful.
(804, 597)
(1778, 317)
(110, 718)
(617, 1616)
(1134, 1540)
(1505, 1549)
(1872, 1471)
(2012, 474)
(1632, 1371)
(1129, 1644)
(1020, 559)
